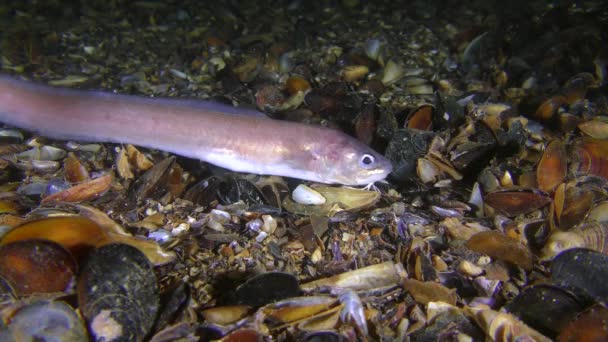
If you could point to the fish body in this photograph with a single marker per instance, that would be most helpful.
(237, 139)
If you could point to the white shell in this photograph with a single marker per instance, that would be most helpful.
(305, 195)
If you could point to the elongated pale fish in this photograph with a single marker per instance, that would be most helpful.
(233, 138)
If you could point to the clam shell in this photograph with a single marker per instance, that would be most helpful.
(337, 199)
(305, 195)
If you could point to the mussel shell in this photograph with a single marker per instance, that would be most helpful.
(421, 118)
(45, 321)
(76, 233)
(516, 202)
(404, 149)
(242, 335)
(322, 336)
(154, 182)
(225, 315)
(591, 325)
(267, 288)
(545, 308)
(552, 168)
(233, 189)
(37, 266)
(583, 271)
(117, 289)
(590, 156)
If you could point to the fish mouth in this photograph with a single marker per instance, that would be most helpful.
(374, 175)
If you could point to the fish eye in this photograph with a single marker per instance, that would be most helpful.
(366, 160)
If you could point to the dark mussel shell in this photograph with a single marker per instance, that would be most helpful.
(583, 271)
(546, 308)
(118, 293)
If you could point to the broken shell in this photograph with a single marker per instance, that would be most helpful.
(393, 71)
(45, 321)
(248, 68)
(373, 48)
(548, 108)
(138, 159)
(353, 73)
(48, 153)
(443, 319)
(552, 167)
(296, 84)
(469, 269)
(224, 315)
(427, 171)
(118, 293)
(73, 170)
(37, 266)
(305, 195)
(505, 327)
(417, 86)
(425, 292)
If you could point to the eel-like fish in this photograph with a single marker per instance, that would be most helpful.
(237, 139)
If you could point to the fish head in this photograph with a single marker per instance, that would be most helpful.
(350, 162)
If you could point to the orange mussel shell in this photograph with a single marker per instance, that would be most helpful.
(590, 157)
(37, 266)
(516, 202)
(76, 233)
(552, 168)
